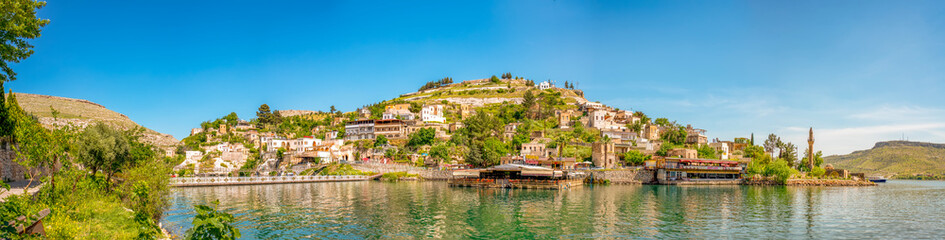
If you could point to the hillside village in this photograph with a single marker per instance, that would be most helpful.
(474, 123)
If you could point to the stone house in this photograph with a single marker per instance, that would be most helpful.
(510, 130)
(390, 128)
(695, 136)
(651, 132)
(603, 154)
(534, 149)
(683, 153)
(722, 149)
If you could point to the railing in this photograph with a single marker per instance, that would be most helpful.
(708, 168)
(213, 181)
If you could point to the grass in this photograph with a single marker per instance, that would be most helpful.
(336, 169)
(92, 219)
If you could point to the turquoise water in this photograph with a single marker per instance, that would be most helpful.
(412, 210)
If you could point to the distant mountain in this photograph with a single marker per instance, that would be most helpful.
(901, 158)
(82, 113)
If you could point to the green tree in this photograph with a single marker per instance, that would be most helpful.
(756, 153)
(36, 147)
(264, 115)
(495, 79)
(18, 24)
(788, 152)
(634, 157)
(675, 135)
(209, 223)
(6, 122)
(381, 140)
(440, 153)
(231, 119)
(332, 109)
(663, 122)
(424, 136)
(772, 143)
(104, 148)
(707, 152)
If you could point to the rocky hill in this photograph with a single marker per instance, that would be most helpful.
(480, 92)
(901, 158)
(82, 113)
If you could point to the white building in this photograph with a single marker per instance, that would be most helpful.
(432, 113)
(545, 85)
(721, 149)
(360, 129)
(603, 119)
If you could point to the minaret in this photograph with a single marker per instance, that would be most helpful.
(810, 150)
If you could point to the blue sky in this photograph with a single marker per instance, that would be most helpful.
(856, 71)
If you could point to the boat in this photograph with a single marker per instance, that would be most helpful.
(877, 179)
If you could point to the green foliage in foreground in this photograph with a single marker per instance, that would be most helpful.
(82, 206)
(212, 224)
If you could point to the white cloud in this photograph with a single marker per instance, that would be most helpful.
(845, 140)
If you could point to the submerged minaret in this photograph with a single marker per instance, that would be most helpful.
(810, 150)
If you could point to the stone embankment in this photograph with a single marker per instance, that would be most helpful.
(828, 182)
(810, 182)
(622, 176)
(425, 174)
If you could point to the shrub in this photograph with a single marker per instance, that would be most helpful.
(212, 224)
(818, 172)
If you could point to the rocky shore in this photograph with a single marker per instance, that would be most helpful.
(828, 182)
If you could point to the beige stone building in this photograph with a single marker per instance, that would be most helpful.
(603, 154)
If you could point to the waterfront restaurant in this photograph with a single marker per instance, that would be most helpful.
(676, 170)
(514, 176)
(562, 163)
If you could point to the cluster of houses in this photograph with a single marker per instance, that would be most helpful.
(226, 157)
(681, 163)
(397, 122)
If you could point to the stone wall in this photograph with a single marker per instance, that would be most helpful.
(9, 169)
(628, 176)
(426, 174)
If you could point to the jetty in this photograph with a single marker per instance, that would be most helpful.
(515, 176)
(223, 181)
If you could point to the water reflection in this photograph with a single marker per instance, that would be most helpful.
(356, 210)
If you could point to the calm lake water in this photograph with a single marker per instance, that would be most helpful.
(411, 210)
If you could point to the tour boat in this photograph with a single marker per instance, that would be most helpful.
(878, 179)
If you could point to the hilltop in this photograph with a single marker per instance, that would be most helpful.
(55, 111)
(903, 158)
(480, 92)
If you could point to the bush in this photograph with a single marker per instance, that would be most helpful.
(212, 224)
(818, 172)
(780, 170)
